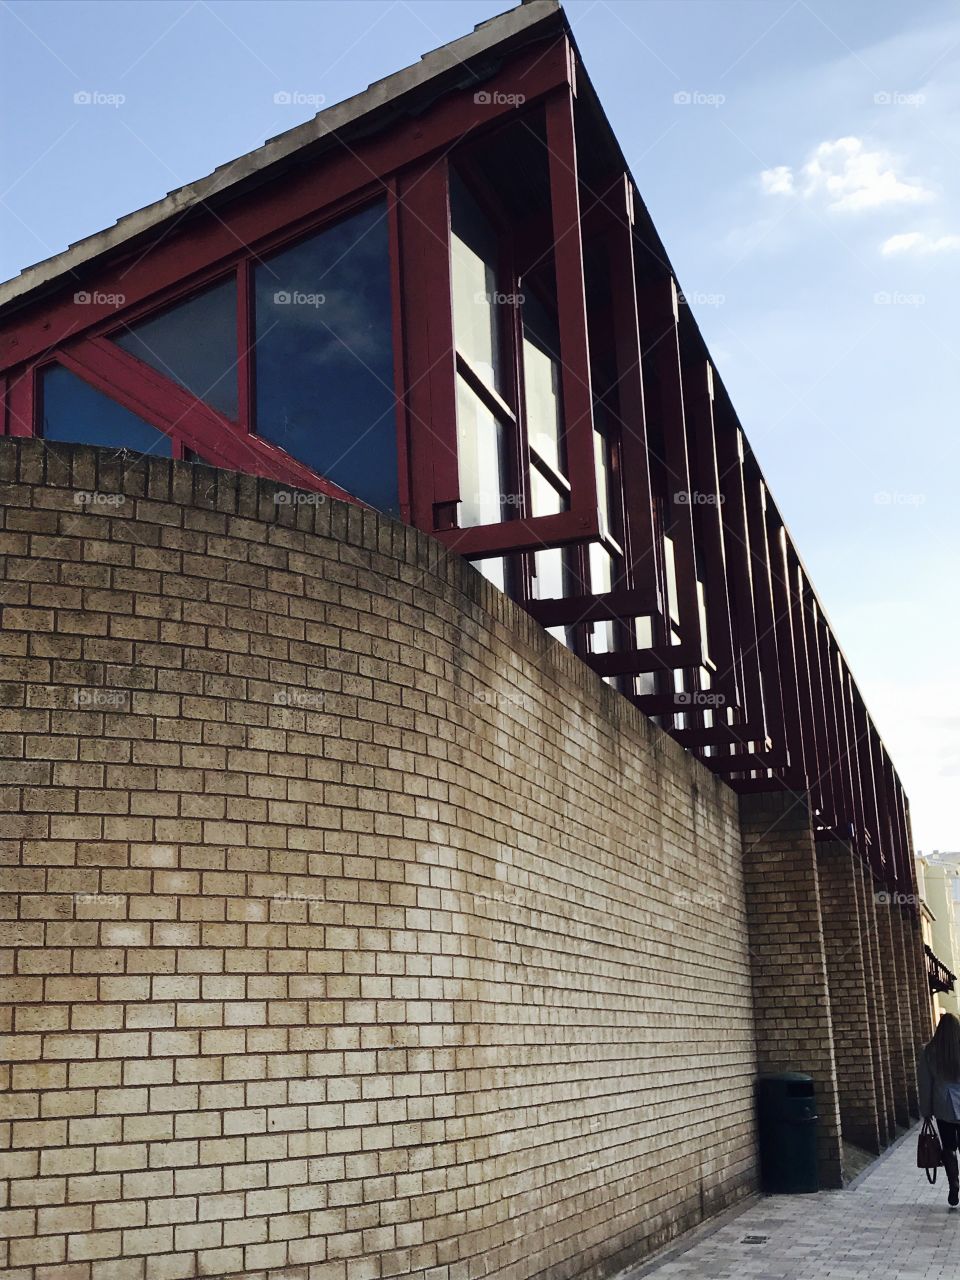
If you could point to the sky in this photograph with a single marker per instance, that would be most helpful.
(801, 162)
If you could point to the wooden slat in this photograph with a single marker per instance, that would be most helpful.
(575, 376)
(657, 307)
(706, 505)
(751, 648)
(423, 234)
(175, 411)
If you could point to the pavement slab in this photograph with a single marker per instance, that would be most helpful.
(889, 1223)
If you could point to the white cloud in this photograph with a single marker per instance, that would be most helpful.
(849, 176)
(778, 181)
(919, 242)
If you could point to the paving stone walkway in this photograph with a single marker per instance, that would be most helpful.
(889, 1224)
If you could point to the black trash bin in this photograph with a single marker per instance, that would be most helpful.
(787, 1121)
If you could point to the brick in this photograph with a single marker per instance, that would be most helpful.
(311, 993)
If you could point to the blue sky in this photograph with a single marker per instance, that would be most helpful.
(806, 194)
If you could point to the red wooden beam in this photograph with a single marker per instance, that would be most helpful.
(812, 694)
(786, 573)
(740, 735)
(667, 657)
(865, 836)
(842, 804)
(874, 818)
(614, 606)
(773, 624)
(575, 376)
(21, 405)
(640, 536)
(706, 507)
(423, 235)
(531, 533)
(752, 648)
(658, 312)
(178, 413)
(398, 333)
(747, 761)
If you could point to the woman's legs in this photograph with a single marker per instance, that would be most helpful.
(950, 1140)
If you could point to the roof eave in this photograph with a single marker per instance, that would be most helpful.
(438, 71)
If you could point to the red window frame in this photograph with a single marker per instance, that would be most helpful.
(181, 260)
(196, 425)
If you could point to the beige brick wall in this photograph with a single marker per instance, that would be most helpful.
(791, 988)
(352, 928)
(840, 885)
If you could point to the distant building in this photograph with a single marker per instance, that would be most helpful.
(938, 877)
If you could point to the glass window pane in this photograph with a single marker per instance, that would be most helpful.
(551, 580)
(702, 605)
(709, 718)
(601, 457)
(601, 581)
(75, 412)
(541, 381)
(564, 634)
(494, 569)
(324, 356)
(545, 500)
(679, 686)
(480, 451)
(193, 343)
(474, 279)
(645, 683)
(671, 566)
(601, 569)
(551, 567)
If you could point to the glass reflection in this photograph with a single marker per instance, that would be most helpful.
(193, 343)
(324, 356)
(77, 413)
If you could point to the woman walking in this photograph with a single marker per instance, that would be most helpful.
(938, 1085)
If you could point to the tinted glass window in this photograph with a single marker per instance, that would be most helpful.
(541, 381)
(480, 450)
(193, 343)
(494, 568)
(481, 444)
(473, 251)
(324, 356)
(601, 581)
(670, 565)
(75, 412)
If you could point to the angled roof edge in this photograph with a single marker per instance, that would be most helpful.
(383, 97)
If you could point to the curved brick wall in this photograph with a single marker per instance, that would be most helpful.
(353, 927)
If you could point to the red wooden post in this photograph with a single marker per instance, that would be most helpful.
(423, 235)
(21, 402)
(706, 510)
(577, 394)
(175, 411)
(658, 309)
(640, 536)
(755, 651)
(246, 343)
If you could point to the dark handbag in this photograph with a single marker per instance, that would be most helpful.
(929, 1151)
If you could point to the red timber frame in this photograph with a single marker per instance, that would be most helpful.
(740, 663)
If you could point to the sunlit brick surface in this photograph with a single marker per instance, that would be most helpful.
(354, 928)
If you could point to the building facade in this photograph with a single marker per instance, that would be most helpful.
(435, 789)
(938, 877)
